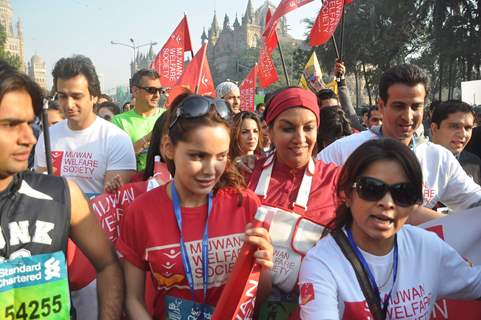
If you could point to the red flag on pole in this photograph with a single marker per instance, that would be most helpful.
(197, 76)
(271, 41)
(248, 91)
(347, 1)
(326, 22)
(284, 7)
(169, 62)
(267, 71)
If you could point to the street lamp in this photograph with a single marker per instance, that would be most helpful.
(134, 48)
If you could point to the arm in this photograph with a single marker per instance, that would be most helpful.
(86, 233)
(116, 178)
(422, 214)
(134, 297)
(345, 98)
(142, 143)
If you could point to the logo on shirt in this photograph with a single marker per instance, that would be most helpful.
(52, 269)
(307, 293)
(57, 158)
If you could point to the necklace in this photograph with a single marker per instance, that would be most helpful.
(382, 286)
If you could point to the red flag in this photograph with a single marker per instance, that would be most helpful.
(248, 91)
(284, 7)
(197, 76)
(326, 22)
(238, 297)
(267, 71)
(169, 62)
(271, 41)
(347, 1)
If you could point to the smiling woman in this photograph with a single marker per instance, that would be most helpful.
(380, 186)
(185, 233)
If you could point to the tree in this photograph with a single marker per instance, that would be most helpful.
(13, 60)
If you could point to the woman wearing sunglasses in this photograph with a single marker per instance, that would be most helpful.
(188, 232)
(246, 137)
(297, 189)
(403, 269)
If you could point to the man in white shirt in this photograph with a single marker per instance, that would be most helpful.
(403, 90)
(85, 148)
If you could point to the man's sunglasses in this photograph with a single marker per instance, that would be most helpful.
(372, 189)
(153, 90)
(198, 106)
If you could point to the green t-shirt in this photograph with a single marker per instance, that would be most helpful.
(137, 127)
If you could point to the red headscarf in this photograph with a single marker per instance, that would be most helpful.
(291, 98)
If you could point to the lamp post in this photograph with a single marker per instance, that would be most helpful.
(134, 48)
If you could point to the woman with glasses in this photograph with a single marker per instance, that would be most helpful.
(394, 271)
(246, 137)
(188, 233)
(297, 189)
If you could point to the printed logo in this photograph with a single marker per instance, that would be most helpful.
(307, 293)
(57, 158)
(52, 268)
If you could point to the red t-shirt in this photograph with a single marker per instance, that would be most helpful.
(149, 239)
(285, 183)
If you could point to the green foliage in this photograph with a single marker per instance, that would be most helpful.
(13, 60)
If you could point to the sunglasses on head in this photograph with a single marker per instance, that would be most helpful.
(153, 90)
(372, 189)
(198, 106)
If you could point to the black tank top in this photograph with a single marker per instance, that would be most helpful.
(34, 215)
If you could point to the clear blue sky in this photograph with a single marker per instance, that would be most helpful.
(60, 28)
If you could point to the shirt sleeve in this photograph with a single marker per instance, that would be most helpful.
(131, 243)
(121, 153)
(39, 159)
(457, 279)
(461, 192)
(331, 154)
(318, 290)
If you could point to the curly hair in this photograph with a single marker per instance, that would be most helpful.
(235, 148)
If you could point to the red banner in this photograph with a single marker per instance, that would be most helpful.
(169, 62)
(271, 41)
(283, 8)
(326, 22)
(267, 72)
(248, 91)
(197, 76)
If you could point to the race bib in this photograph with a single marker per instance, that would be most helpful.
(34, 288)
(180, 309)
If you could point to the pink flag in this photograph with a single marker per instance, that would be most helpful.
(169, 62)
(326, 22)
(266, 70)
(284, 7)
(248, 91)
(197, 76)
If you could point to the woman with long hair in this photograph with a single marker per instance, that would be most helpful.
(372, 265)
(188, 233)
(246, 137)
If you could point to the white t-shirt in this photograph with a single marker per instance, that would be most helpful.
(444, 180)
(428, 269)
(85, 155)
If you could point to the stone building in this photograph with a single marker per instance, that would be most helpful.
(37, 70)
(142, 61)
(227, 44)
(14, 43)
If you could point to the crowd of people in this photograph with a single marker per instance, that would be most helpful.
(344, 193)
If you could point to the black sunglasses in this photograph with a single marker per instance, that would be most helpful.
(198, 106)
(153, 90)
(372, 189)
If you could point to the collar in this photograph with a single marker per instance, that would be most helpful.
(270, 160)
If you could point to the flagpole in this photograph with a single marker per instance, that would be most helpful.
(342, 32)
(333, 38)
(283, 62)
(46, 136)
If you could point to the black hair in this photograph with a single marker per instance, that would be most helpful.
(106, 97)
(109, 105)
(158, 131)
(325, 94)
(260, 104)
(363, 157)
(442, 111)
(67, 68)
(54, 105)
(333, 125)
(371, 109)
(408, 74)
(137, 77)
(13, 80)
